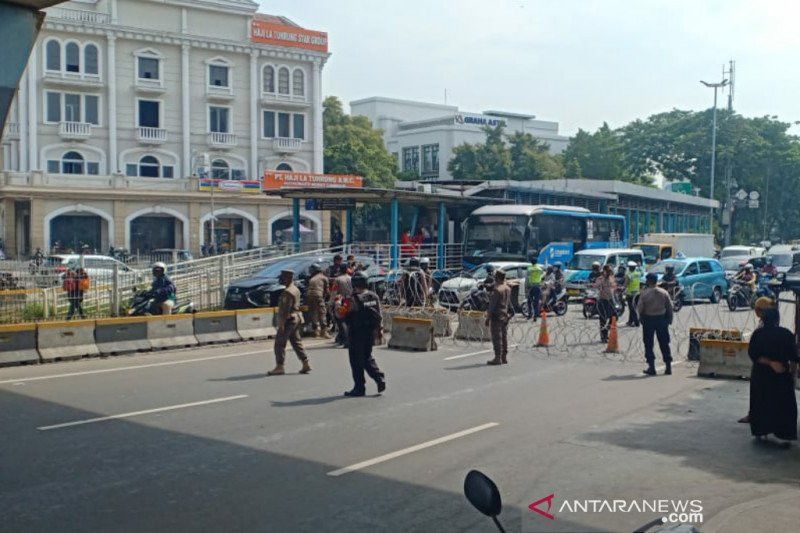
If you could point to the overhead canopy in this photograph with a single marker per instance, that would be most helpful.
(369, 195)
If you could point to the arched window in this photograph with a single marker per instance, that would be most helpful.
(283, 80)
(53, 55)
(72, 163)
(73, 54)
(220, 170)
(90, 61)
(298, 83)
(286, 167)
(148, 167)
(269, 79)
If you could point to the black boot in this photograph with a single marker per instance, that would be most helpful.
(668, 370)
(355, 393)
(381, 385)
(650, 370)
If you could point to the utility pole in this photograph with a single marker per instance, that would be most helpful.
(727, 214)
(715, 86)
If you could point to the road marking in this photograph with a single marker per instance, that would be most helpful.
(146, 365)
(469, 354)
(144, 412)
(411, 449)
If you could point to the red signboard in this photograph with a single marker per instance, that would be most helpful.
(262, 31)
(306, 180)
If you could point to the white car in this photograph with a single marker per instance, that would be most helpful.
(455, 290)
(100, 268)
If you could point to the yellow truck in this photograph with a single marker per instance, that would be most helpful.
(659, 246)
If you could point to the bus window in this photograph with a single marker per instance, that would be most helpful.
(497, 236)
(556, 228)
(605, 230)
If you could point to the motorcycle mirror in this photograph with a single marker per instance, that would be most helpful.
(483, 494)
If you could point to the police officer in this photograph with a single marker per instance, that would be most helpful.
(289, 320)
(316, 295)
(497, 317)
(343, 289)
(533, 282)
(414, 284)
(362, 313)
(655, 312)
(633, 280)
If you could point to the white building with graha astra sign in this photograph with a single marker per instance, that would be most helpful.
(422, 135)
(125, 102)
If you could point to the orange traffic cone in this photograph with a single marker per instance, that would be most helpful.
(613, 338)
(544, 335)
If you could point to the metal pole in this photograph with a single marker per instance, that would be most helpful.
(296, 221)
(395, 251)
(348, 220)
(213, 217)
(440, 263)
(713, 154)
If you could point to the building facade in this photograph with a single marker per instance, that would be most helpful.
(422, 136)
(126, 105)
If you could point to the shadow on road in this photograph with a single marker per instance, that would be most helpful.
(309, 401)
(245, 377)
(466, 367)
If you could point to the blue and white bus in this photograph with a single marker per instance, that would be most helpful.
(548, 233)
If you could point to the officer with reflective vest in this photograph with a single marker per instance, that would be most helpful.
(361, 311)
(633, 281)
(534, 288)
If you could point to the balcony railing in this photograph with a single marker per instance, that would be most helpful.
(219, 92)
(12, 131)
(149, 135)
(79, 15)
(222, 140)
(287, 146)
(75, 130)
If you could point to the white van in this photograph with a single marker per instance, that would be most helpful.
(579, 267)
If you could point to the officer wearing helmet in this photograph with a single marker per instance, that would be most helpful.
(425, 267)
(595, 272)
(414, 284)
(316, 295)
(554, 282)
(633, 282)
(362, 314)
(162, 290)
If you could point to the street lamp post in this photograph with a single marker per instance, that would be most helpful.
(715, 86)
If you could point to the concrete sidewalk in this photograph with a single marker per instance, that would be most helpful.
(779, 512)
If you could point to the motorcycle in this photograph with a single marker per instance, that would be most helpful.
(675, 292)
(143, 304)
(590, 303)
(476, 300)
(739, 296)
(559, 307)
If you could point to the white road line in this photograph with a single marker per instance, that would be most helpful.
(145, 412)
(146, 365)
(411, 449)
(467, 354)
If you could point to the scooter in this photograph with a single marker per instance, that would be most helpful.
(675, 292)
(559, 307)
(476, 300)
(738, 297)
(143, 304)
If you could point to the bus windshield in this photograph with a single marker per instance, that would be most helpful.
(499, 236)
(650, 251)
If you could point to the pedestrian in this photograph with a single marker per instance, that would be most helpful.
(413, 284)
(497, 317)
(773, 406)
(316, 295)
(655, 313)
(362, 313)
(633, 281)
(533, 282)
(76, 283)
(289, 321)
(605, 286)
(342, 290)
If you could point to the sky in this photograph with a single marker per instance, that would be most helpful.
(577, 62)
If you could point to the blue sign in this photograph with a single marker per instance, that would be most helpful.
(556, 251)
(479, 120)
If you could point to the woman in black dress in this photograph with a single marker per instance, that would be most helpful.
(773, 407)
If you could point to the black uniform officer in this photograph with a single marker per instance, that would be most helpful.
(362, 313)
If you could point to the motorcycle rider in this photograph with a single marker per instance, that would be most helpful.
(769, 269)
(162, 290)
(669, 281)
(425, 267)
(594, 273)
(533, 282)
(632, 286)
(747, 278)
(555, 283)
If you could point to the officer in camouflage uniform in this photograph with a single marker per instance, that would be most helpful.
(316, 295)
(497, 317)
(289, 321)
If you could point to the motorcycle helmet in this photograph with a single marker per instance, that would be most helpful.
(159, 266)
(596, 265)
(359, 280)
(314, 269)
(748, 267)
(633, 264)
(413, 262)
(557, 264)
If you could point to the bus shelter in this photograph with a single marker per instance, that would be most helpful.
(367, 195)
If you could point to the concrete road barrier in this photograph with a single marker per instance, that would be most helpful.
(441, 322)
(119, 335)
(256, 323)
(66, 339)
(171, 331)
(472, 326)
(216, 326)
(697, 334)
(18, 343)
(720, 358)
(412, 334)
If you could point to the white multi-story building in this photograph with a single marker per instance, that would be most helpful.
(125, 102)
(422, 135)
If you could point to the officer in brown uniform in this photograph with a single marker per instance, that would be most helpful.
(497, 318)
(289, 321)
(316, 295)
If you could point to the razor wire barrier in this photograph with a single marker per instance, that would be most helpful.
(575, 336)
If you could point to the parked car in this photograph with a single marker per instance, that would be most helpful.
(455, 290)
(745, 251)
(698, 277)
(98, 267)
(578, 269)
(263, 289)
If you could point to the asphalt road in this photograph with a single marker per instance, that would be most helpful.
(201, 439)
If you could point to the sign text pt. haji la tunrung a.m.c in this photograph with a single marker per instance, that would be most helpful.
(267, 32)
(307, 180)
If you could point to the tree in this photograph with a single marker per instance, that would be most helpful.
(353, 146)
(600, 155)
(516, 157)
